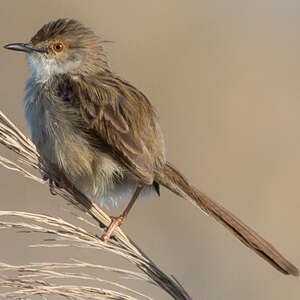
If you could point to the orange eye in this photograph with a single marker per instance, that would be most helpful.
(58, 47)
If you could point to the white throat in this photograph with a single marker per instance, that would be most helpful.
(44, 68)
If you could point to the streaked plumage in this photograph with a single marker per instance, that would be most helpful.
(85, 118)
(102, 133)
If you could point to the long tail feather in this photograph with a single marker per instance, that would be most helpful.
(175, 182)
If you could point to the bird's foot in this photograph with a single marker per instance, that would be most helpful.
(52, 184)
(115, 222)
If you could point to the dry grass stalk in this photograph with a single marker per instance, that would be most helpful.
(35, 278)
(121, 244)
(31, 287)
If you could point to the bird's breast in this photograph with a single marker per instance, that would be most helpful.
(60, 143)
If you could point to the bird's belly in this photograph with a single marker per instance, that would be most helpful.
(96, 174)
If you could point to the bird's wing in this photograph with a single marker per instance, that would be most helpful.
(102, 116)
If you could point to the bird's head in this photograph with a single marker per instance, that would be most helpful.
(63, 46)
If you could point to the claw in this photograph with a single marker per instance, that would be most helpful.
(115, 222)
(52, 187)
(45, 177)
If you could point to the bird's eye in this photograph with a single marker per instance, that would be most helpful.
(58, 47)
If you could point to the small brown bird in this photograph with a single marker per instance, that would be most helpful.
(103, 134)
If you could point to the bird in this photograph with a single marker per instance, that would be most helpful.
(103, 134)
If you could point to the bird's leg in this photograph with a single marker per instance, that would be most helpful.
(117, 221)
(51, 169)
(53, 184)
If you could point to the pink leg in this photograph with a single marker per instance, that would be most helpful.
(116, 222)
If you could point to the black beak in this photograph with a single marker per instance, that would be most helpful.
(22, 47)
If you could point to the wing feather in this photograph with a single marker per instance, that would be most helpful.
(101, 114)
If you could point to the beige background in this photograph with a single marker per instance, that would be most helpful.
(224, 76)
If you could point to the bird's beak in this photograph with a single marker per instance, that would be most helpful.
(22, 47)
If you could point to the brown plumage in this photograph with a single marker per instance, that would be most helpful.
(173, 180)
(102, 133)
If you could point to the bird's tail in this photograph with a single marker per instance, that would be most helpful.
(174, 181)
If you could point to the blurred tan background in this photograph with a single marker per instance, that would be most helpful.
(225, 77)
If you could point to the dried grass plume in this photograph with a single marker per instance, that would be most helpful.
(34, 279)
